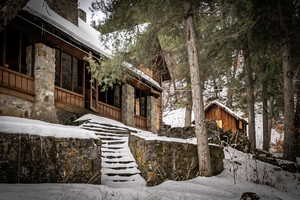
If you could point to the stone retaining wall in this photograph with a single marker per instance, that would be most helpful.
(35, 159)
(162, 160)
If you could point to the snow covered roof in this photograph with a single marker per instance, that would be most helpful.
(83, 33)
(15, 125)
(228, 110)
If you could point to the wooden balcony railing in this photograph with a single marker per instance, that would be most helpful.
(140, 122)
(109, 111)
(67, 97)
(17, 81)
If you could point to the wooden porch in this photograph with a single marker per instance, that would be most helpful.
(16, 84)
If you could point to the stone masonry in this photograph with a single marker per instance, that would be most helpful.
(165, 160)
(35, 159)
(128, 105)
(14, 106)
(44, 72)
(152, 114)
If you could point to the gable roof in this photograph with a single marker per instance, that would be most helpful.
(82, 33)
(225, 108)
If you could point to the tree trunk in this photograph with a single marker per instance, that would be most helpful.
(197, 94)
(270, 118)
(289, 112)
(297, 115)
(250, 101)
(188, 109)
(266, 140)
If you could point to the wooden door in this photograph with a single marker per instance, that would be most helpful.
(94, 95)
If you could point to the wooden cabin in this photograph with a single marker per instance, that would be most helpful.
(225, 118)
(43, 72)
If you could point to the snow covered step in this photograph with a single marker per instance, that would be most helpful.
(119, 168)
(106, 131)
(108, 139)
(119, 158)
(115, 153)
(119, 162)
(132, 171)
(104, 128)
(131, 181)
(118, 177)
(111, 125)
(111, 139)
(111, 135)
(114, 143)
(113, 147)
(119, 165)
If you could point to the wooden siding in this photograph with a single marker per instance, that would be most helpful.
(229, 123)
(109, 111)
(67, 97)
(140, 122)
(16, 81)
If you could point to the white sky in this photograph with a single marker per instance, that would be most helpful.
(84, 5)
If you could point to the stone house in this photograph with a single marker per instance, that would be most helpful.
(43, 74)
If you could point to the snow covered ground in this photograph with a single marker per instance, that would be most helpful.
(36, 127)
(218, 187)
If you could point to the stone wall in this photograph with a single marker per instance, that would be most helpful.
(161, 160)
(44, 73)
(189, 132)
(66, 8)
(36, 159)
(128, 105)
(13, 106)
(68, 118)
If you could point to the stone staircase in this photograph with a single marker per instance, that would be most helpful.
(119, 168)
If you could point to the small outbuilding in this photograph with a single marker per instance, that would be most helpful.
(225, 118)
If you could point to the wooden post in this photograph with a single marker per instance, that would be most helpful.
(3, 49)
(20, 53)
(83, 80)
(60, 65)
(72, 68)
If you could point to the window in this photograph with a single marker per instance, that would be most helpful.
(219, 123)
(12, 47)
(2, 46)
(17, 51)
(57, 67)
(66, 70)
(111, 96)
(140, 102)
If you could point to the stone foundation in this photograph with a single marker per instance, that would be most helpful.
(13, 106)
(161, 160)
(36, 159)
(44, 73)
